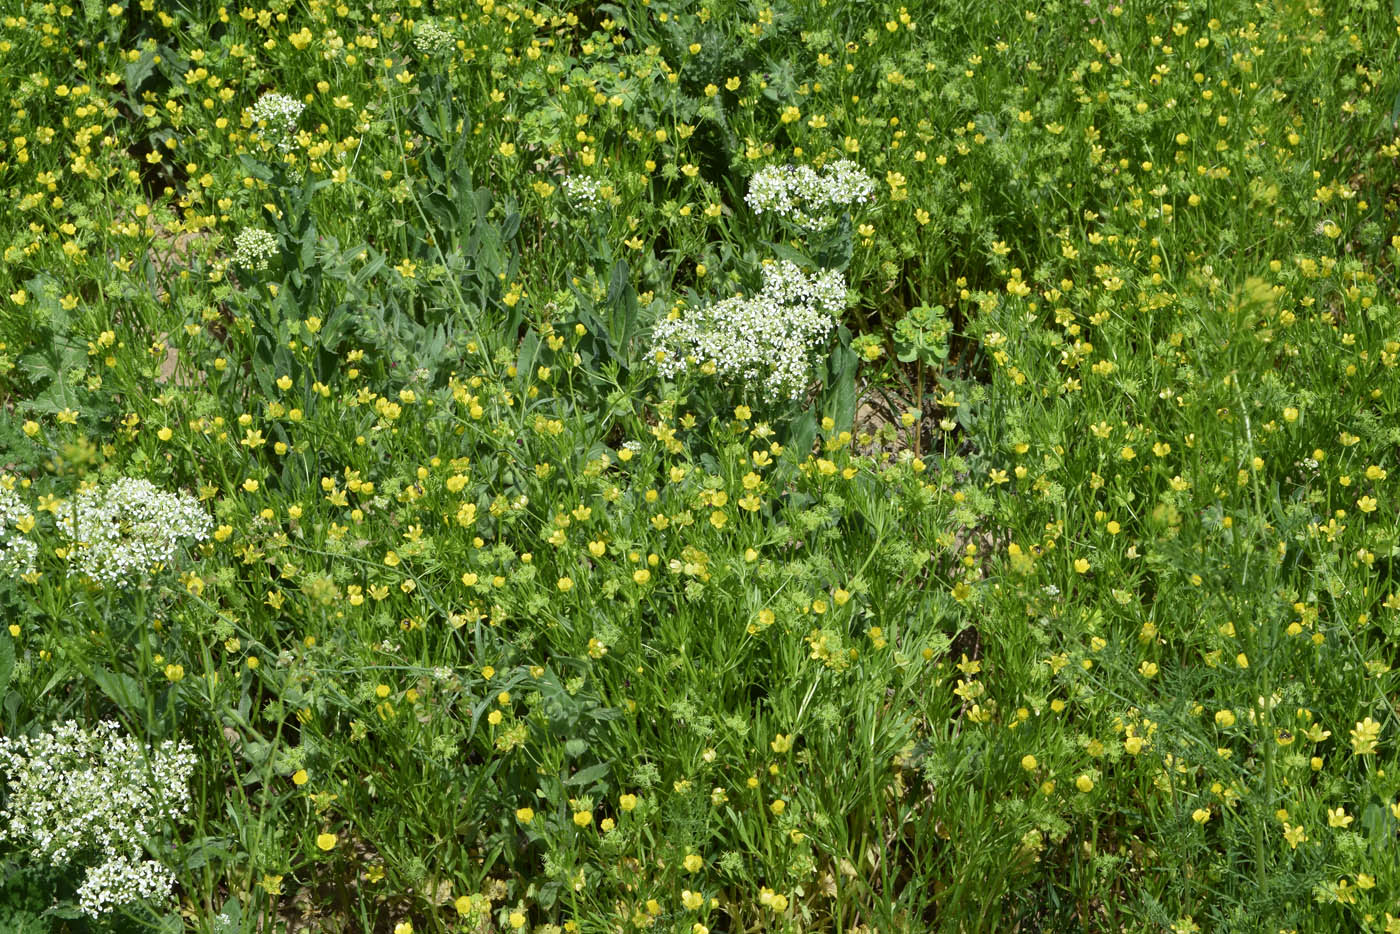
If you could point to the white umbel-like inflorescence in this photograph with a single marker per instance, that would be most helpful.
(769, 338)
(17, 552)
(801, 195)
(276, 116)
(253, 247)
(95, 798)
(583, 193)
(429, 38)
(121, 532)
(122, 880)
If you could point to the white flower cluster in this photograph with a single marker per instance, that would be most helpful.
(122, 881)
(583, 193)
(770, 337)
(253, 247)
(125, 530)
(17, 552)
(429, 38)
(276, 117)
(96, 798)
(806, 198)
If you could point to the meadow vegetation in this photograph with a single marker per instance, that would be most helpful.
(699, 466)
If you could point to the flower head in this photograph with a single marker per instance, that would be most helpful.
(17, 552)
(770, 338)
(95, 797)
(799, 194)
(275, 116)
(430, 38)
(253, 247)
(1364, 737)
(124, 531)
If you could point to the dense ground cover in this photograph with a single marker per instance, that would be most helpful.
(700, 466)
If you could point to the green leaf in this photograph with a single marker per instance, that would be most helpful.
(198, 854)
(259, 170)
(529, 352)
(804, 432)
(589, 775)
(617, 281)
(841, 387)
(123, 690)
(308, 247)
(232, 915)
(792, 255)
(138, 71)
(367, 271)
(510, 225)
(7, 660)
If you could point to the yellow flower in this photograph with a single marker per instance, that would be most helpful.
(627, 802)
(781, 743)
(1084, 783)
(692, 900)
(525, 815)
(693, 862)
(583, 818)
(1338, 817)
(1029, 763)
(1200, 815)
(299, 777)
(1364, 737)
(325, 842)
(517, 920)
